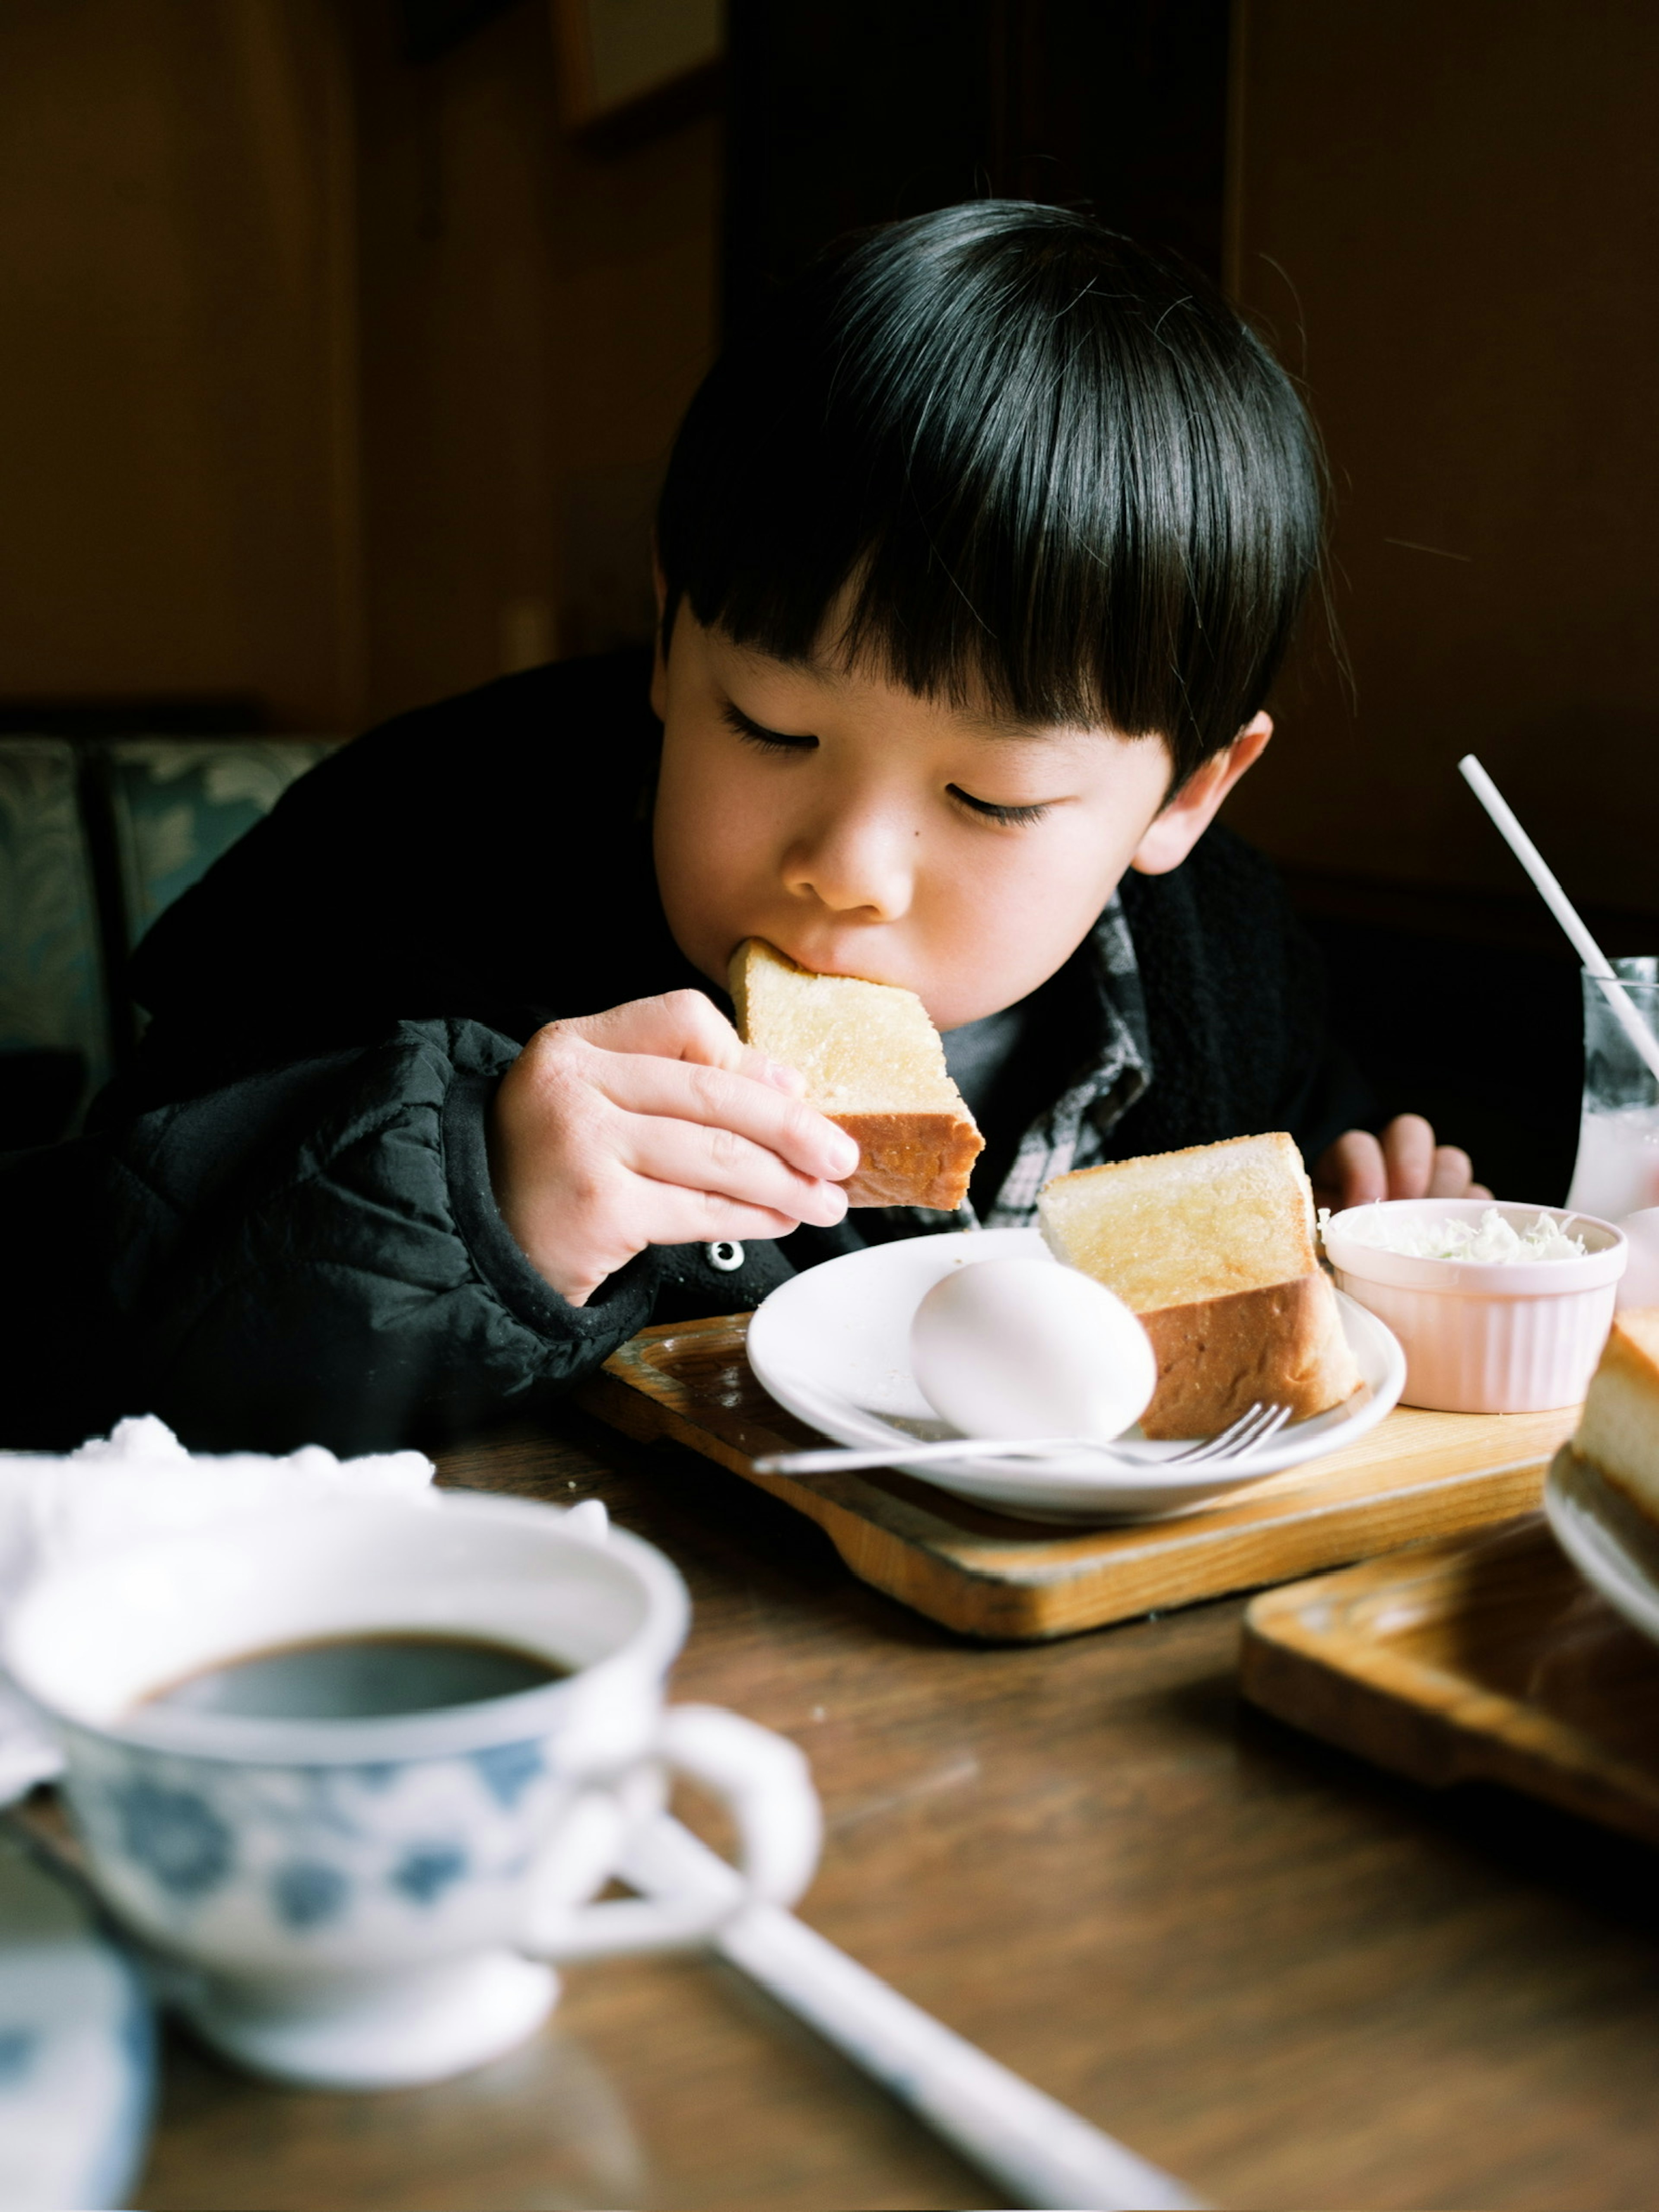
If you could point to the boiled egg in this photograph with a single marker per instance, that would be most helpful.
(1030, 1348)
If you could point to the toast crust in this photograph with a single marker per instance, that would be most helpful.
(910, 1159)
(1282, 1344)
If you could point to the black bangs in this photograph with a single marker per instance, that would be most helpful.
(1022, 463)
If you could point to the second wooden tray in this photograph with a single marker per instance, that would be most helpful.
(1488, 1658)
(1418, 1474)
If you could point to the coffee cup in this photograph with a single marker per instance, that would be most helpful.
(373, 1897)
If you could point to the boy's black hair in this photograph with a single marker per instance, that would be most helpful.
(1053, 474)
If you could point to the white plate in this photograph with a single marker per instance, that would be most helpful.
(77, 2069)
(833, 1345)
(1606, 1538)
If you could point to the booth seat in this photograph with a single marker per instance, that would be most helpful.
(97, 839)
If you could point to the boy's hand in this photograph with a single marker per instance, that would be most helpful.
(653, 1124)
(1404, 1162)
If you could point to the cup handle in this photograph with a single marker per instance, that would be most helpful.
(767, 1786)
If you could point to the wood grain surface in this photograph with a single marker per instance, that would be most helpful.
(1289, 1977)
(1489, 1658)
(1418, 1474)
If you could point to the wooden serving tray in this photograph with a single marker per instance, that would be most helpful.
(988, 1574)
(1488, 1658)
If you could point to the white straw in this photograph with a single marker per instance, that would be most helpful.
(1641, 1037)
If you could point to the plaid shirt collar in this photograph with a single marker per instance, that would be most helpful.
(1073, 1132)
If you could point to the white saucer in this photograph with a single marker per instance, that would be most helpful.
(1606, 1538)
(77, 2065)
(833, 1345)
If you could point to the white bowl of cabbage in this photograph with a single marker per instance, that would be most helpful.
(1500, 1309)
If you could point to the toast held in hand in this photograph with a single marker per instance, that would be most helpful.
(873, 1063)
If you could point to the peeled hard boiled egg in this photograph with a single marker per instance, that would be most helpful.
(1028, 1348)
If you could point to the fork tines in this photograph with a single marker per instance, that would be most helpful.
(1254, 1427)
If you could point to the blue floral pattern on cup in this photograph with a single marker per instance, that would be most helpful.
(395, 1851)
(508, 1769)
(429, 1870)
(177, 1835)
(308, 1894)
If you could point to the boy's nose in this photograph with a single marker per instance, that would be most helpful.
(854, 868)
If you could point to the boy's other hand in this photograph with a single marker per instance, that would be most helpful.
(654, 1124)
(1405, 1162)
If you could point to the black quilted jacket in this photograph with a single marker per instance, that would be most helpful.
(279, 1228)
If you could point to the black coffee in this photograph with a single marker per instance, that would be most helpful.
(350, 1678)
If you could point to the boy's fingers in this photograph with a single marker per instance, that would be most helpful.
(702, 1216)
(1409, 1151)
(1351, 1169)
(684, 1025)
(717, 1161)
(677, 1025)
(760, 1067)
(717, 1099)
(1454, 1174)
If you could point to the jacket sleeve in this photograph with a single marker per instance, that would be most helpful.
(310, 1254)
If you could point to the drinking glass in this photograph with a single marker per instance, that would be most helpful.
(1617, 1170)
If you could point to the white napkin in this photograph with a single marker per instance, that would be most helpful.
(140, 1481)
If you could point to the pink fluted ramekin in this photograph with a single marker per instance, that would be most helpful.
(1487, 1336)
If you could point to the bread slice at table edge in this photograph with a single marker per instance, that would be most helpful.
(1618, 1431)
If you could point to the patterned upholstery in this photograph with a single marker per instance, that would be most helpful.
(178, 803)
(171, 807)
(51, 987)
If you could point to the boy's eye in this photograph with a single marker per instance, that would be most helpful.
(756, 733)
(1017, 818)
(783, 741)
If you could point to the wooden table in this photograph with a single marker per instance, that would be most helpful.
(1283, 1976)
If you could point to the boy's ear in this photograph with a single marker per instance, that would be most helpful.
(1194, 807)
(660, 656)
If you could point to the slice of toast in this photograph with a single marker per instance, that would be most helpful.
(874, 1064)
(1214, 1248)
(1619, 1428)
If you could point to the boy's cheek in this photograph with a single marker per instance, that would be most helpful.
(717, 870)
(707, 913)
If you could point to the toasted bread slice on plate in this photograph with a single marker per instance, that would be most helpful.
(1214, 1248)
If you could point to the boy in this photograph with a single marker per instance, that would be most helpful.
(976, 565)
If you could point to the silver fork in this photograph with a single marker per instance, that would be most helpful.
(1250, 1430)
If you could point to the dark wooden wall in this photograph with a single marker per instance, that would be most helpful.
(844, 115)
(334, 375)
(1449, 218)
(1445, 220)
(178, 459)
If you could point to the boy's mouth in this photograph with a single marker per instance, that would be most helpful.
(820, 963)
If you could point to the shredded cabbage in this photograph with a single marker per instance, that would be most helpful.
(1491, 1239)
